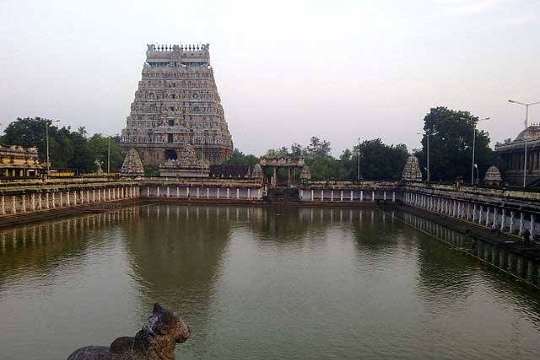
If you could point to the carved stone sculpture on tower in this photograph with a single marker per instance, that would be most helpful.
(187, 165)
(177, 105)
(411, 170)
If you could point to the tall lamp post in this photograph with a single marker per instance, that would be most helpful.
(428, 171)
(358, 164)
(47, 142)
(109, 155)
(525, 134)
(473, 145)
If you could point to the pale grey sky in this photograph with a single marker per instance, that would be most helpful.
(286, 69)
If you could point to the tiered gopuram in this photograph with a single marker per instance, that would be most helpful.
(176, 105)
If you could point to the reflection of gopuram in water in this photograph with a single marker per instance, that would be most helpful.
(175, 254)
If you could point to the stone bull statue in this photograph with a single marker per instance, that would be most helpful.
(155, 341)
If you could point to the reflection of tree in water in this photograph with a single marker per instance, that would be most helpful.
(279, 226)
(441, 269)
(447, 276)
(378, 232)
(176, 252)
(37, 249)
(296, 226)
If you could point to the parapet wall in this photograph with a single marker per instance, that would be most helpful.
(509, 210)
(22, 198)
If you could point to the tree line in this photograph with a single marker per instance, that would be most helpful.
(450, 135)
(68, 149)
(450, 150)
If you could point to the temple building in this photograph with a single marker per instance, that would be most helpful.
(511, 154)
(177, 105)
(19, 162)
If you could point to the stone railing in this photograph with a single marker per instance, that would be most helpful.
(31, 197)
(509, 211)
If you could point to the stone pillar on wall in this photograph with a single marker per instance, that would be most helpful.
(532, 226)
(521, 223)
(511, 222)
(480, 214)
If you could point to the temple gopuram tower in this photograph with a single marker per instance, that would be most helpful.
(177, 104)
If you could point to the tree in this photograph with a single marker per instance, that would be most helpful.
(239, 158)
(450, 144)
(28, 132)
(318, 147)
(378, 161)
(67, 148)
(99, 146)
(321, 164)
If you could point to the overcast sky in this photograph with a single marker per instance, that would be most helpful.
(285, 70)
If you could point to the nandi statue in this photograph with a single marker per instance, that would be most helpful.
(156, 341)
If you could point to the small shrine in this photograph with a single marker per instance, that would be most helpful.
(493, 177)
(132, 165)
(411, 170)
(291, 164)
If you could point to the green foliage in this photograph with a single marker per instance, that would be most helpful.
(450, 142)
(67, 148)
(239, 158)
(98, 146)
(379, 161)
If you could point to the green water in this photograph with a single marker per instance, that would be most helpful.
(258, 284)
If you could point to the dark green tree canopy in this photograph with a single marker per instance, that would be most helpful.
(67, 148)
(378, 161)
(450, 140)
(239, 158)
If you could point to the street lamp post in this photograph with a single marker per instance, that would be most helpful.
(428, 171)
(428, 168)
(525, 135)
(358, 164)
(473, 145)
(109, 156)
(47, 142)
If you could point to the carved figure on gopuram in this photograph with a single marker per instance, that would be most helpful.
(177, 104)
